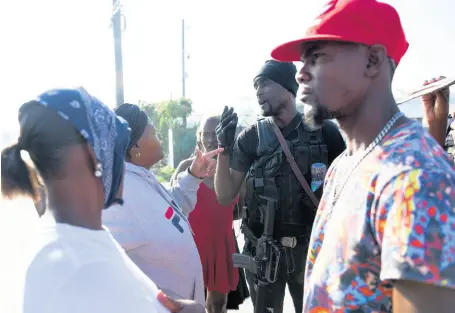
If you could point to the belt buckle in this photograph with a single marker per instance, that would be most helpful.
(289, 242)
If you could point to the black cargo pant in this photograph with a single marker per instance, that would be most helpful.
(276, 291)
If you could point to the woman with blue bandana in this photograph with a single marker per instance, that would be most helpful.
(78, 147)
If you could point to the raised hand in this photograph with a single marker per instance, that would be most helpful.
(436, 104)
(225, 131)
(204, 165)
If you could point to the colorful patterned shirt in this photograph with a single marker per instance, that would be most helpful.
(394, 219)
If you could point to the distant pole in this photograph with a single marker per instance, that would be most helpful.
(117, 30)
(183, 58)
(170, 157)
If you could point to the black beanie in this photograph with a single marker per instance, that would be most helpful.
(282, 73)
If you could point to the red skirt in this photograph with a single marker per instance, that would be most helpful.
(212, 227)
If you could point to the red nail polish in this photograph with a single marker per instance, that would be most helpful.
(161, 296)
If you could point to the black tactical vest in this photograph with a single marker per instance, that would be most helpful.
(271, 176)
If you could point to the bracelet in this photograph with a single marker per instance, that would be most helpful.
(189, 172)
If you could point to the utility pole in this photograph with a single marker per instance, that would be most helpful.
(117, 30)
(183, 58)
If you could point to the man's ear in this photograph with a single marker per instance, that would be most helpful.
(377, 56)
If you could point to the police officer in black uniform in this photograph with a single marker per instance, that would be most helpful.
(258, 156)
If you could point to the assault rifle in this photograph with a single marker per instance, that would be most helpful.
(265, 263)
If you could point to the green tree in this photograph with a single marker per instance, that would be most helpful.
(164, 173)
(172, 114)
(168, 114)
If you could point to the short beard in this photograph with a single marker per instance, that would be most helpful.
(317, 114)
(273, 111)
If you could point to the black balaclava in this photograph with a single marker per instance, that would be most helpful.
(282, 73)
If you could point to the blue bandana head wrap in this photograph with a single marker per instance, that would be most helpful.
(107, 134)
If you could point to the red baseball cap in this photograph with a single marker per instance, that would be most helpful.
(365, 22)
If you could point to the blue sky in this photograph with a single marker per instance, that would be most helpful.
(61, 42)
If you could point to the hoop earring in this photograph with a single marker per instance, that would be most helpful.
(98, 170)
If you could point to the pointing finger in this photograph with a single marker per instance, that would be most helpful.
(198, 153)
(211, 154)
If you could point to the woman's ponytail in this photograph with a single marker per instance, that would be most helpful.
(17, 177)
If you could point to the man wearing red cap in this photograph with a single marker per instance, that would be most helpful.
(384, 235)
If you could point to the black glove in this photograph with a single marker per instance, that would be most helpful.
(225, 131)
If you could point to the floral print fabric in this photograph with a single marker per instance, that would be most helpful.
(394, 219)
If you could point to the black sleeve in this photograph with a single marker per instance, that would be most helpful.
(333, 139)
(244, 152)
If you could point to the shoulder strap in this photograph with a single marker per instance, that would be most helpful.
(294, 166)
(267, 142)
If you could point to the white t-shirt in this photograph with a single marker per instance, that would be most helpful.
(70, 269)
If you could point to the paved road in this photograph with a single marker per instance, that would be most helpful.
(247, 306)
